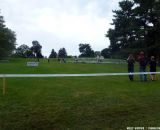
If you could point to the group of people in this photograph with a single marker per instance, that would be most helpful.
(143, 62)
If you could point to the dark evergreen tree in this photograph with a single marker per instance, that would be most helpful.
(62, 53)
(53, 54)
(122, 35)
(149, 19)
(137, 25)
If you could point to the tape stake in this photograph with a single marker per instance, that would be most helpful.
(4, 85)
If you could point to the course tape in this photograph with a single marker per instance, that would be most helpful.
(74, 75)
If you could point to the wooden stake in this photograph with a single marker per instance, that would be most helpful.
(4, 85)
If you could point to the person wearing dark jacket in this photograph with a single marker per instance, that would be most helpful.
(153, 65)
(142, 63)
(131, 62)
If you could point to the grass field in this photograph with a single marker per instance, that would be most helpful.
(76, 103)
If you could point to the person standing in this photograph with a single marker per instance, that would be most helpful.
(131, 61)
(142, 63)
(153, 65)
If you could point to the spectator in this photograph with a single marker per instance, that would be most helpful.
(153, 65)
(131, 62)
(142, 63)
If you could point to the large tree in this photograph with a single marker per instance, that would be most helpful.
(36, 48)
(85, 50)
(23, 51)
(7, 40)
(136, 27)
(106, 53)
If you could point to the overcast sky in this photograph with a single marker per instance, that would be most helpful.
(60, 23)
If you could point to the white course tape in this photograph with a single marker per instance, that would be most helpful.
(74, 75)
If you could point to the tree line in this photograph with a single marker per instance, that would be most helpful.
(24, 51)
(35, 51)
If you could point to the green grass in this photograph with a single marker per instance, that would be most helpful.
(19, 67)
(76, 103)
